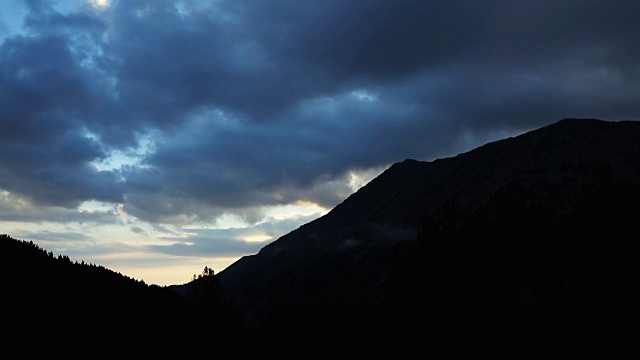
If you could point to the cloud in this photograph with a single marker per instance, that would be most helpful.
(231, 241)
(54, 236)
(14, 208)
(235, 106)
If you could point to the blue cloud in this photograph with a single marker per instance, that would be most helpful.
(248, 104)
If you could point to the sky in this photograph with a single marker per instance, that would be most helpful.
(156, 137)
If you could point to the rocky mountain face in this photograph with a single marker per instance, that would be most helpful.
(348, 250)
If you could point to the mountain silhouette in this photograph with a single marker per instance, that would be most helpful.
(521, 248)
(348, 251)
(55, 306)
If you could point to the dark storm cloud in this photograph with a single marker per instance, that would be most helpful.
(48, 98)
(252, 103)
(374, 39)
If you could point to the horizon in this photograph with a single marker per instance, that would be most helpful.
(155, 138)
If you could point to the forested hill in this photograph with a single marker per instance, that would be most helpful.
(77, 310)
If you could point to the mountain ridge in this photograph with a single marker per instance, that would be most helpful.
(548, 162)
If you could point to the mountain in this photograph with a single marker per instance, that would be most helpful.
(52, 305)
(521, 248)
(349, 250)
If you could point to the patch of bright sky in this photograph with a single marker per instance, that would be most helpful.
(228, 221)
(120, 250)
(270, 214)
(92, 206)
(117, 159)
(292, 211)
(257, 237)
(100, 4)
(132, 156)
(69, 6)
(355, 180)
(360, 178)
(364, 95)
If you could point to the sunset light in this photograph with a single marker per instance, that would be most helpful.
(143, 134)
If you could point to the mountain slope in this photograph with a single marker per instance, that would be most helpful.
(54, 305)
(348, 250)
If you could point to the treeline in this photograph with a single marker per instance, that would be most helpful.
(517, 278)
(55, 306)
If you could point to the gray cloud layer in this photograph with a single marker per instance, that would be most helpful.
(254, 103)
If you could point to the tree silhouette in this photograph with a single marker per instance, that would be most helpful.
(205, 289)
